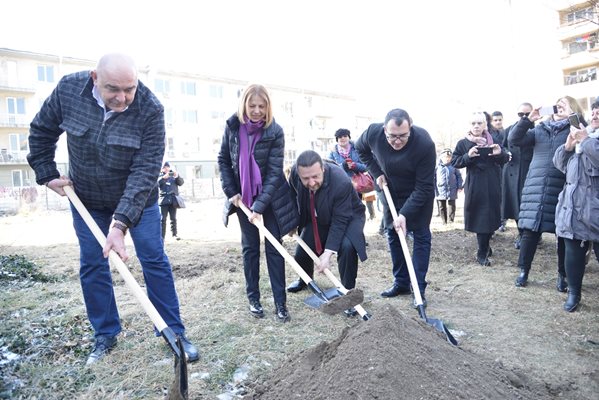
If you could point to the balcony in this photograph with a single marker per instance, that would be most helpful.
(14, 121)
(17, 87)
(12, 157)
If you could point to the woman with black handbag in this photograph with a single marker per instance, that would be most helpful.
(346, 156)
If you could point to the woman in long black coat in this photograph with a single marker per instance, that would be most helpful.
(482, 158)
(514, 174)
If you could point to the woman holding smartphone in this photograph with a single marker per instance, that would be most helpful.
(577, 215)
(543, 183)
(482, 158)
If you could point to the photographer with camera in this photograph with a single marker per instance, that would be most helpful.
(169, 183)
(483, 157)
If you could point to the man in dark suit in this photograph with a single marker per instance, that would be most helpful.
(338, 216)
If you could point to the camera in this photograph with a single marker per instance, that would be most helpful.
(485, 151)
(171, 173)
(574, 120)
(548, 110)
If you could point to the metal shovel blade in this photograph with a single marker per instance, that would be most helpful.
(337, 300)
(437, 324)
(179, 388)
(316, 301)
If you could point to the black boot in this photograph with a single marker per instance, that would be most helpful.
(522, 279)
(482, 257)
(561, 284)
(572, 303)
(174, 229)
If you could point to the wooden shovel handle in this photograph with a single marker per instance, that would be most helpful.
(116, 261)
(328, 273)
(404, 247)
(296, 267)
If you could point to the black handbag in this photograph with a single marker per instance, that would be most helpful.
(180, 201)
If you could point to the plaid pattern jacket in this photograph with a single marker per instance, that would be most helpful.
(114, 164)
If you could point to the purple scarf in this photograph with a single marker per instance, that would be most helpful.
(249, 172)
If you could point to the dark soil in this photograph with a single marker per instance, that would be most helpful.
(393, 357)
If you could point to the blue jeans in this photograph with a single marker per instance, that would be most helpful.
(420, 257)
(96, 280)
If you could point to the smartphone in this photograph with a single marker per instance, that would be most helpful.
(485, 151)
(548, 110)
(574, 121)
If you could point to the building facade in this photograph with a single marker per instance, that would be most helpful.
(196, 108)
(578, 31)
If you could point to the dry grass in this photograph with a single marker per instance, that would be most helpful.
(46, 324)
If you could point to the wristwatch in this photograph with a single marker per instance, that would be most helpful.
(121, 226)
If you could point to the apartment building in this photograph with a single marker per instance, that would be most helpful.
(196, 108)
(578, 31)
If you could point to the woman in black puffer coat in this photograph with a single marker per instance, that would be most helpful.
(543, 183)
(251, 171)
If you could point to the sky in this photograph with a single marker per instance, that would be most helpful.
(434, 58)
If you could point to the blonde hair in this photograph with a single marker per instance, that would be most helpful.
(574, 106)
(248, 93)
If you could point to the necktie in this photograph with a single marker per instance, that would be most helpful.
(315, 225)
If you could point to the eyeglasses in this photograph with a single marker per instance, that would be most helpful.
(523, 114)
(394, 138)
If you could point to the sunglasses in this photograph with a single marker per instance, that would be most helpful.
(523, 114)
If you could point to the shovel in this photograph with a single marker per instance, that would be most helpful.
(179, 387)
(365, 316)
(335, 302)
(438, 324)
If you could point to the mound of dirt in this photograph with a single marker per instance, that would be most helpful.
(392, 356)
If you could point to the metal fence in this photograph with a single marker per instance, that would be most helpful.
(14, 200)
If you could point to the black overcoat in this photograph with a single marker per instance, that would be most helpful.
(482, 188)
(513, 176)
(338, 207)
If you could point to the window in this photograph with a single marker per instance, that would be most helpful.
(582, 43)
(15, 105)
(162, 86)
(188, 88)
(170, 144)
(215, 91)
(217, 115)
(577, 47)
(581, 75)
(45, 73)
(168, 117)
(190, 116)
(585, 14)
(18, 142)
(17, 178)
